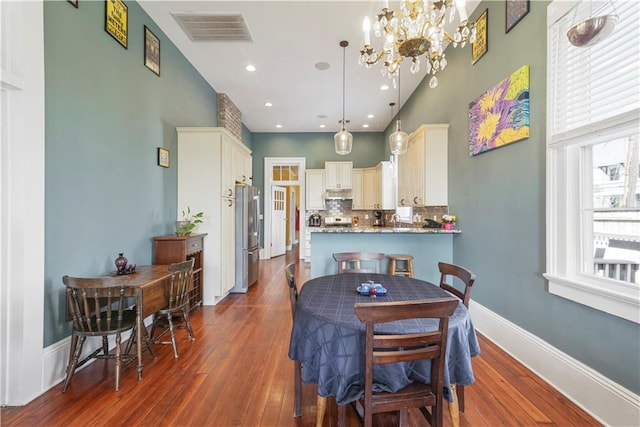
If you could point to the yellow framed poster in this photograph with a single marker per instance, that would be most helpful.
(481, 45)
(116, 21)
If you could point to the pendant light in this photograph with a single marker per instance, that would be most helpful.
(343, 140)
(398, 140)
(593, 29)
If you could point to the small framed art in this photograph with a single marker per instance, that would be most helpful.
(151, 51)
(163, 157)
(515, 10)
(116, 21)
(481, 45)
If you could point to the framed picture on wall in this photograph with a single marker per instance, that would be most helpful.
(515, 10)
(481, 45)
(151, 51)
(116, 21)
(163, 157)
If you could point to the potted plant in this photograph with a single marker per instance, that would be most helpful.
(449, 221)
(188, 223)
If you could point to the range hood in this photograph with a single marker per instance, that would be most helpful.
(338, 195)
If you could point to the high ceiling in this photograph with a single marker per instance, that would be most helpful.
(288, 39)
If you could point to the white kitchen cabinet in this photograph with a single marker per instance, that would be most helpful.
(423, 173)
(371, 198)
(379, 187)
(387, 188)
(357, 188)
(307, 246)
(314, 190)
(206, 183)
(242, 161)
(338, 175)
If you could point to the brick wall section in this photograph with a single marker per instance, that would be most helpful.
(229, 117)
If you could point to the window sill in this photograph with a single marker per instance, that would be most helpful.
(610, 296)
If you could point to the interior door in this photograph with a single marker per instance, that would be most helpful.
(278, 220)
(292, 217)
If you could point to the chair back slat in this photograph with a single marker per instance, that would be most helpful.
(290, 275)
(395, 348)
(352, 262)
(180, 283)
(97, 305)
(464, 278)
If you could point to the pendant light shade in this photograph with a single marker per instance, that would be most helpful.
(343, 140)
(398, 140)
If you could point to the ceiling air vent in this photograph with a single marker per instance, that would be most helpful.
(214, 26)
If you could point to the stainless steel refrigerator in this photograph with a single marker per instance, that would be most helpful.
(247, 237)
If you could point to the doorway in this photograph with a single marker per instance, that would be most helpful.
(286, 172)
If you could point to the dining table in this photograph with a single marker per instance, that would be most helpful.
(149, 285)
(328, 338)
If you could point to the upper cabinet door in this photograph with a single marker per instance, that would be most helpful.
(338, 175)
(422, 178)
(358, 189)
(314, 193)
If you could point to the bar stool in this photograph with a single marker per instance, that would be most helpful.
(401, 265)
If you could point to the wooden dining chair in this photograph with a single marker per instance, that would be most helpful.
(177, 308)
(458, 281)
(290, 274)
(98, 308)
(355, 262)
(395, 348)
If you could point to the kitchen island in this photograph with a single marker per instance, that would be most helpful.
(428, 246)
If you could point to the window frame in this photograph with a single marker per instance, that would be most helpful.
(565, 221)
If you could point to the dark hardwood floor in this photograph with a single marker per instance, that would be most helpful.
(237, 373)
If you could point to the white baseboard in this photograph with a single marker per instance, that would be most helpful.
(56, 357)
(605, 400)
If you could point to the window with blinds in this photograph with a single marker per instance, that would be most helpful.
(598, 83)
(593, 159)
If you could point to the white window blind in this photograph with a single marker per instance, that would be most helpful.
(596, 83)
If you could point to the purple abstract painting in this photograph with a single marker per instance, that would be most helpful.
(500, 116)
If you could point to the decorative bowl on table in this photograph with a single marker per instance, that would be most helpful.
(366, 289)
(129, 269)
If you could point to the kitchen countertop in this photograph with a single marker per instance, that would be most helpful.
(364, 229)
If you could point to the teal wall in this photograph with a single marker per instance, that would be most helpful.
(106, 114)
(368, 150)
(499, 199)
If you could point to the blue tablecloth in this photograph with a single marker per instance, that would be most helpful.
(328, 338)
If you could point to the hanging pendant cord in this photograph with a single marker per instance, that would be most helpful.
(344, 45)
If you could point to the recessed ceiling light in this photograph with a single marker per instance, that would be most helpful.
(370, 116)
(323, 126)
(322, 66)
(384, 87)
(365, 125)
(278, 126)
(268, 104)
(250, 68)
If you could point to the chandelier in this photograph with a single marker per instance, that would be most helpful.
(417, 28)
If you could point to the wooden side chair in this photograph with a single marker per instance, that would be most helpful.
(98, 309)
(178, 306)
(458, 281)
(383, 349)
(290, 274)
(358, 262)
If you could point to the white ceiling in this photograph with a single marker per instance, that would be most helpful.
(289, 38)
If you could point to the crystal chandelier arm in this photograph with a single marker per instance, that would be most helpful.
(374, 61)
